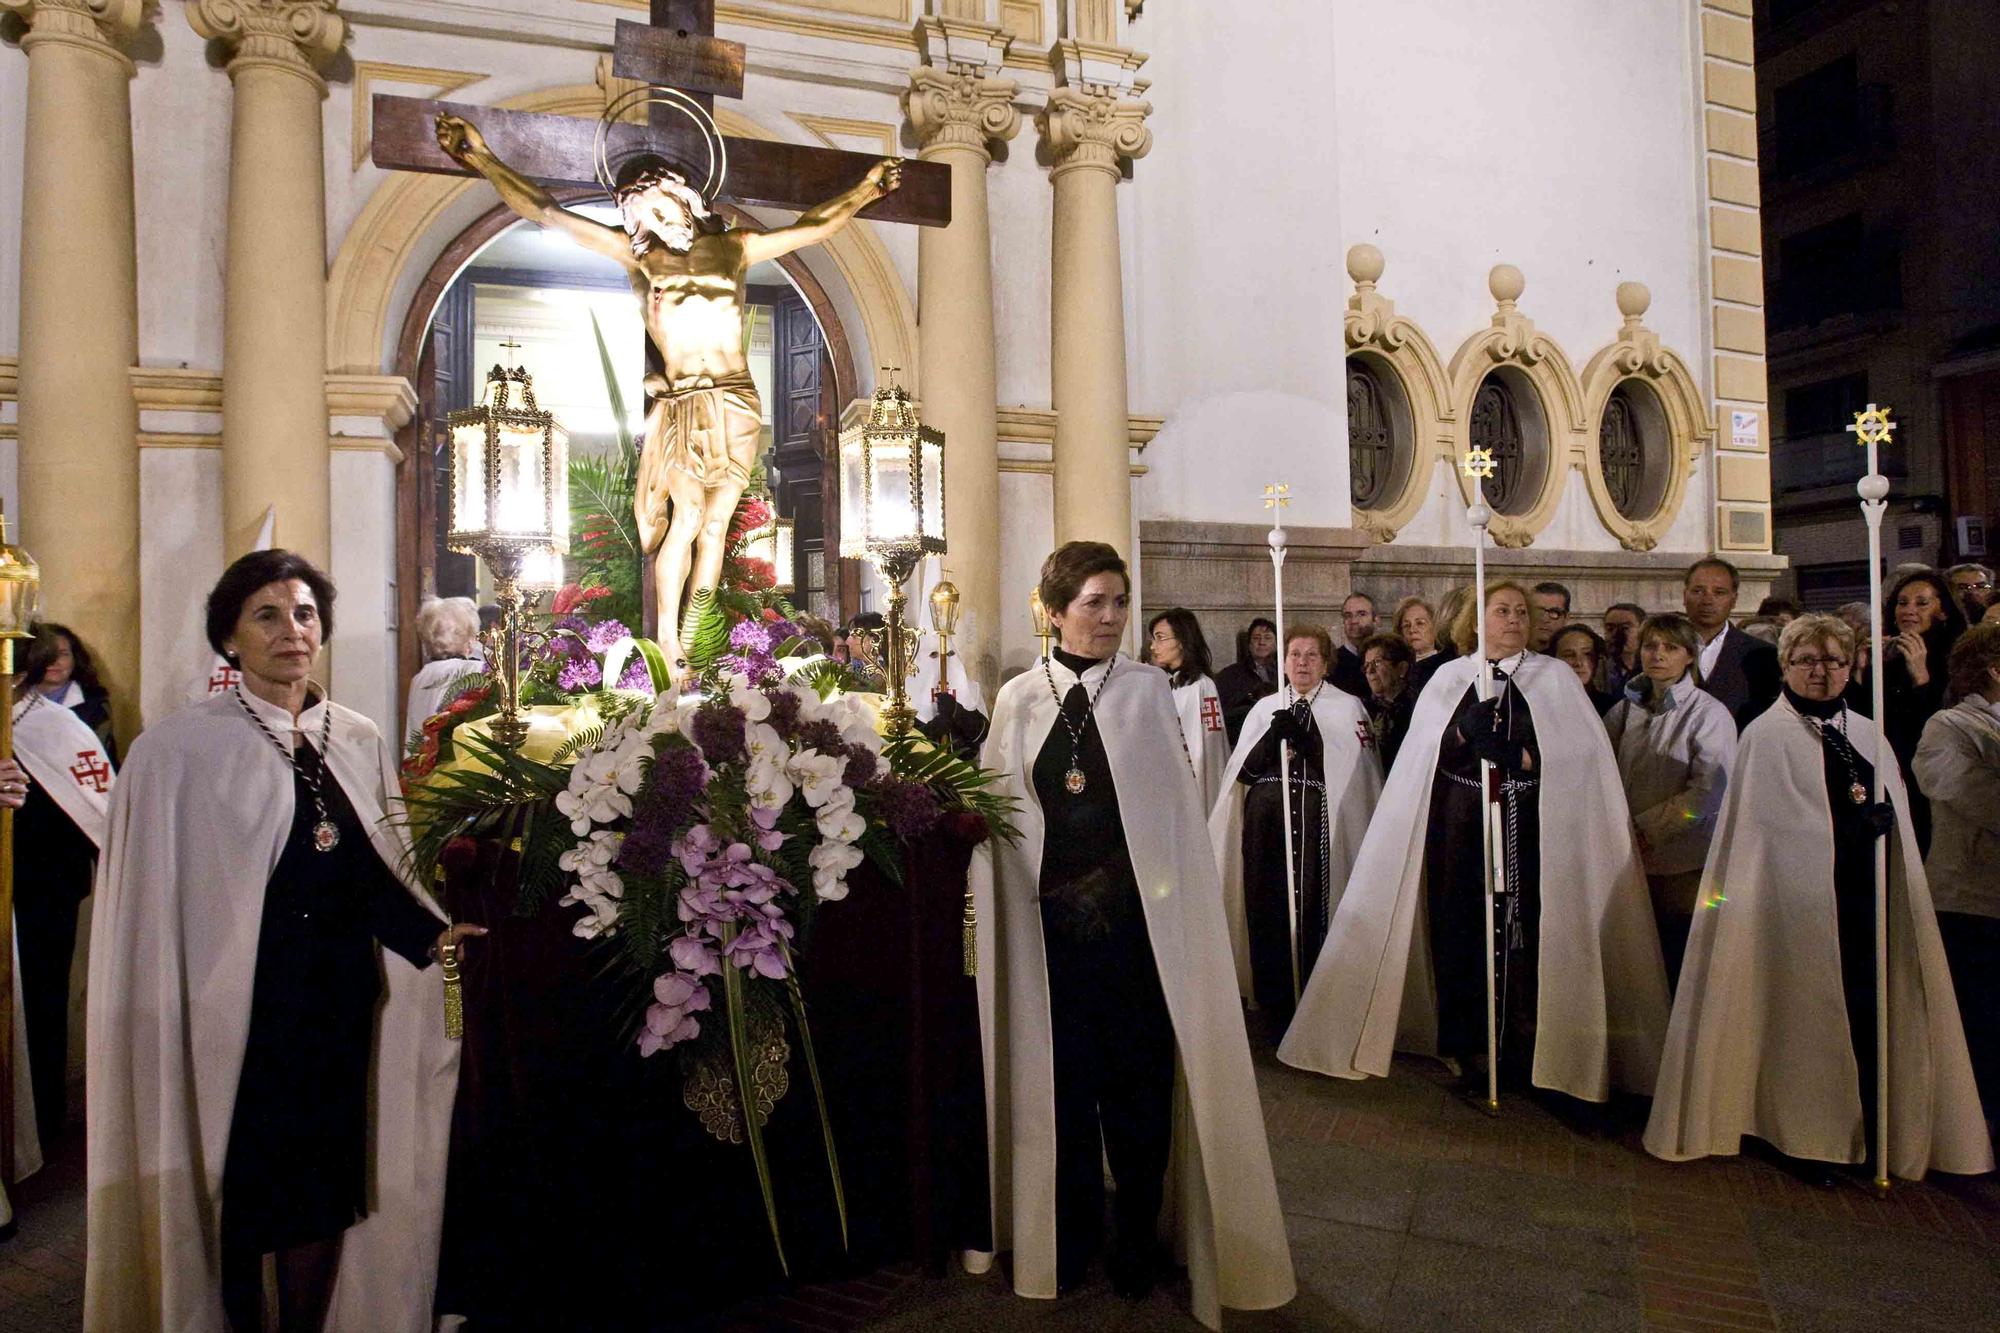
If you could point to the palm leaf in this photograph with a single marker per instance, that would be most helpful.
(611, 388)
(739, 1048)
(819, 1094)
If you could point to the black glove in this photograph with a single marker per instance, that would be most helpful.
(1285, 725)
(1881, 817)
(1481, 728)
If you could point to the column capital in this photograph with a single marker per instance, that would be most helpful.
(961, 44)
(106, 25)
(301, 36)
(1093, 128)
(955, 108)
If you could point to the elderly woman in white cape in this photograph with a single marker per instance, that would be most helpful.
(448, 627)
(1773, 1030)
(250, 1095)
(1335, 780)
(1596, 1010)
(1113, 1029)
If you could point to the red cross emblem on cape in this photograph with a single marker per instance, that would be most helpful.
(222, 678)
(1211, 715)
(1365, 733)
(90, 770)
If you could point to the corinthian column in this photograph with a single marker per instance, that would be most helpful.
(958, 108)
(1094, 121)
(274, 425)
(79, 455)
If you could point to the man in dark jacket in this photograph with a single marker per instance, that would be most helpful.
(1740, 671)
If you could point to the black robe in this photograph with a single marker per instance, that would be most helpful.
(1113, 1039)
(295, 1171)
(1266, 911)
(1455, 885)
(54, 861)
(1240, 686)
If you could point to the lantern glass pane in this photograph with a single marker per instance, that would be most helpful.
(559, 476)
(781, 554)
(542, 571)
(468, 477)
(19, 600)
(853, 497)
(932, 452)
(522, 504)
(893, 516)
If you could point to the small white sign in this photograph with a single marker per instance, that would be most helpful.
(1742, 430)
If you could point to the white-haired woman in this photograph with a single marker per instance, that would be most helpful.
(448, 629)
(1773, 1030)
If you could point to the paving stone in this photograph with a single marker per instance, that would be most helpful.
(1453, 1288)
(1533, 1218)
(1341, 1184)
(1825, 1276)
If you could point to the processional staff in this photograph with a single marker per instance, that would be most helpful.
(1276, 498)
(1873, 428)
(1479, 464)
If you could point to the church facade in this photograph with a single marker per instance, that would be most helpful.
(1196, 249)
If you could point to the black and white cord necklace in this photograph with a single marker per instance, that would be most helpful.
(326, 833)
(1073, 779)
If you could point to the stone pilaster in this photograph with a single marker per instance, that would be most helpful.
(1093, 123)
(78, 426)
(958, 108)
(274, 428)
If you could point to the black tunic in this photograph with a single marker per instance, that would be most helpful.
(296, 1166)
(53, 864)
(1454, 879)
(1112, 1038)
(1240, 687)
(1266, 911)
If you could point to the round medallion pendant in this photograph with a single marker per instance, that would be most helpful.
(326, 836)
(1857, 793)
(1073, 780)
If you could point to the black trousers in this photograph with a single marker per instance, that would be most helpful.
(45, 926)
(1972, 947)
(1113, 1049)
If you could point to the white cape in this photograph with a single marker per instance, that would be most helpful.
(1601, 1006)
(427, 689)
(198, 821)
(924, 686)
(1202, 731)
(1353, 785)
(1220, 1186)
(1760, 1042)
(66, 757)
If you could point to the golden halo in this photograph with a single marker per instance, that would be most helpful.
(650, 95)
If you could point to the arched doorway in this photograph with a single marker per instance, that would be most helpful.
(502, 289)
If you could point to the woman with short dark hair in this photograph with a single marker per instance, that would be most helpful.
(1674, 742)
(1105, 921)
(237, 968)
(1252, 676)
(1774, 1025)
(1176, 645)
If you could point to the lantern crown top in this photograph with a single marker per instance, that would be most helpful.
(501, 393)
(893, 412)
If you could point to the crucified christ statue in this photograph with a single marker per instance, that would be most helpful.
(704, 423)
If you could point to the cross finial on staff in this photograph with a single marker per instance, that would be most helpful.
(1873, 426)
(1479, 463)
(1278, 497)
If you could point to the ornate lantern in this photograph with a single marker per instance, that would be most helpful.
(773, 543)
(1040, 614)
(892, 513)
(510, 507)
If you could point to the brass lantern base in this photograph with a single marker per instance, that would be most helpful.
(899, 640)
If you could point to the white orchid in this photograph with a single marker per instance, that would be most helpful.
(830, 862)
(600, 790)
(742, 694)
(765, 777)
(820, 775)
(840, 822)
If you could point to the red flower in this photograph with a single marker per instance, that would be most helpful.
(566, 600)
(771, 615)
(758, 574)
(753, 513)
(967, 824)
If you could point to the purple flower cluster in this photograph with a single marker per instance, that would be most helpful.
(908, 808)
(663, 805)
(731, 914)
(636, 676)
(784, 717)
(579, 674)
(862, 766)
(823, 736)
(718, 729)
(603, 634)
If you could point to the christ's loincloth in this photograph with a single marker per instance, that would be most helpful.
(708, 430)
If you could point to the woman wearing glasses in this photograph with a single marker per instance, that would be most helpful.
(1176, 645)
(1773, 1030)
(1115, 1018)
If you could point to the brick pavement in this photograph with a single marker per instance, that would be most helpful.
(1410, 1210)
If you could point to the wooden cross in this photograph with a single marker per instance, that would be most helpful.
(677, 49)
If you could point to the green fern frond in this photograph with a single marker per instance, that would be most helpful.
(582, 740)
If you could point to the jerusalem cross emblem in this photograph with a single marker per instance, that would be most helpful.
(90, 770)
(1211, 715)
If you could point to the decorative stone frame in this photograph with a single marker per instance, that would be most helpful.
(1396, 347)
(1512, 343)
(1637, 356)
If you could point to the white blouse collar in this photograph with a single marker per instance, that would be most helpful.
(280, 721)
(1092, 675)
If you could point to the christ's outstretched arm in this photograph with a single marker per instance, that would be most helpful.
(821, 222)
(458, 137)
